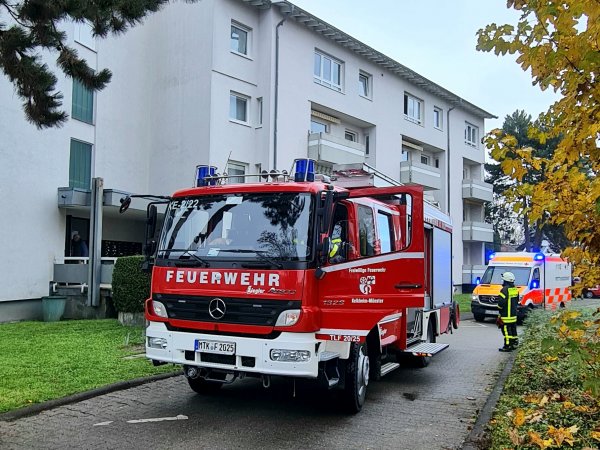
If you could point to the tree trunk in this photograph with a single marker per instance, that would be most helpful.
(526, 231)
(537, 239)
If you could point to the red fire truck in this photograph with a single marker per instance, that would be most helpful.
(298, 277)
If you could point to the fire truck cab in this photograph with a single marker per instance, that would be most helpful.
(543, 281)
(303, 279)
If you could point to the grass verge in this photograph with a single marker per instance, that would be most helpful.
(464, 302)
(42, 361)
(550, 399)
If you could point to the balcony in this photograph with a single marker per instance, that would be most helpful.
(325, 148)
(478, 191)
(470, 273)
(412, 172)
(477, 232)
(73, 272)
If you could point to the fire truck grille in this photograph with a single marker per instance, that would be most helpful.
(243, 311)
(488, 299)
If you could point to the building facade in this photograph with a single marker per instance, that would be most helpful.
(244, 85)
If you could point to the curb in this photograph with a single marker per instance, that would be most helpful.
(55, 403)
(478, 432)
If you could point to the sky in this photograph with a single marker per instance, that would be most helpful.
(437, 39)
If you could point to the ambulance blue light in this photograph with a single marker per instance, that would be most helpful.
(492, 256)
(305, 170)
(478, 280)
(538, 257)
(202, 172)
(535, 284)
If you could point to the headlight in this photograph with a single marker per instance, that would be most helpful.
(288, 318)
(474, 298)
(159, 309)
(154, 342)
(284, 355)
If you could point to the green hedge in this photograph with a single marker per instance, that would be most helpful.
(131, 286)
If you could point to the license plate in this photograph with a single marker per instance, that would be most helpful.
(492, 312)
(221, 348)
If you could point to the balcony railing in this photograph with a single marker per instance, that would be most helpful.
(470, 273)
(325, 148)
(73, 271)
(412, 172)
(477, 232)
(477, 190)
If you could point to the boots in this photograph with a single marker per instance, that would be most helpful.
(506, 348)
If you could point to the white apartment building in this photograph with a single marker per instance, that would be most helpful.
(257, 82)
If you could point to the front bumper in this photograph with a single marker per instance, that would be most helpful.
(179, 348)
(484, 309)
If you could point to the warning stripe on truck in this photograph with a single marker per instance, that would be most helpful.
(556, 296)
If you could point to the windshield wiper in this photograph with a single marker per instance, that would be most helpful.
(188, 253)
(260, 253)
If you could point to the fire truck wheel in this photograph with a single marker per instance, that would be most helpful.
(357, 378)
(201, 386)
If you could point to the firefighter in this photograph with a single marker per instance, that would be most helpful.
(507, 321)
(336, 250)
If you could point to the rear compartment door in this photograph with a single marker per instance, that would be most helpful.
(382, 274)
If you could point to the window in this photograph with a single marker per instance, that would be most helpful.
(413, 108)
(366, 230)
(385, 230)
(425, 160)
(437, 163)
(236, 168)
(239, 38)
(238, 107)
(328, 71)
(364, 84)
(404, 155)
(84, 35)
(438, 117)
(259, 112)
(471, 134)
(367, 144)
(318, 127)
(82, 107)
(80, 165)
(350, 135)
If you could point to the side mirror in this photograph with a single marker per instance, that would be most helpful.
(149, 249)
(151, 222)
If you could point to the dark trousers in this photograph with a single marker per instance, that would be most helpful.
(509, 332)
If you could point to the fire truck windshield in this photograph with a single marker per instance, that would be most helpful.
(265, 227)
(493, 275)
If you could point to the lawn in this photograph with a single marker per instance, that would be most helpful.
(41, 361)
(464, 302)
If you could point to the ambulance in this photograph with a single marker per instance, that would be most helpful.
(543, 280)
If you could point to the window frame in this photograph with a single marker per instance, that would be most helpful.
(237, 165)
(259, 112)
(369, 84)
(426, 158)
(352, 133)
(247, 100)
(75, 183)
(320, 79)
(246, 29)
(406, 108)
(373, 232)
(440, 125)
(471, 129)
(78, 110)
(326, 125)
(389, 228)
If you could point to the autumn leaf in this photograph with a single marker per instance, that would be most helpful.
(513, 434)
(519, 417)
(561, 434)
(537, 440)
(595, 435)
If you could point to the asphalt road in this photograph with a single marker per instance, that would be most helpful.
(430, 408)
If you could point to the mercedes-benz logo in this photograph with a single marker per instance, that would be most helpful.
(217, 308)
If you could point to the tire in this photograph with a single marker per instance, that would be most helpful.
(357, 378)
(479, 317)
(455, 316)
(423, 361)
(588, 294)
(203, 387)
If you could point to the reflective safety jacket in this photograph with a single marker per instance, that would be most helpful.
(509, 298)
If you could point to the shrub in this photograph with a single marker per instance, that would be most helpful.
(131, 286)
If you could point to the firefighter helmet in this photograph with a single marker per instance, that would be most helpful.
(508, 276)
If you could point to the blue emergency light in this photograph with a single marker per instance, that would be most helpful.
(202, 172)
(492, 256)
(535, 284)
(538, 257)
(305, 170)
